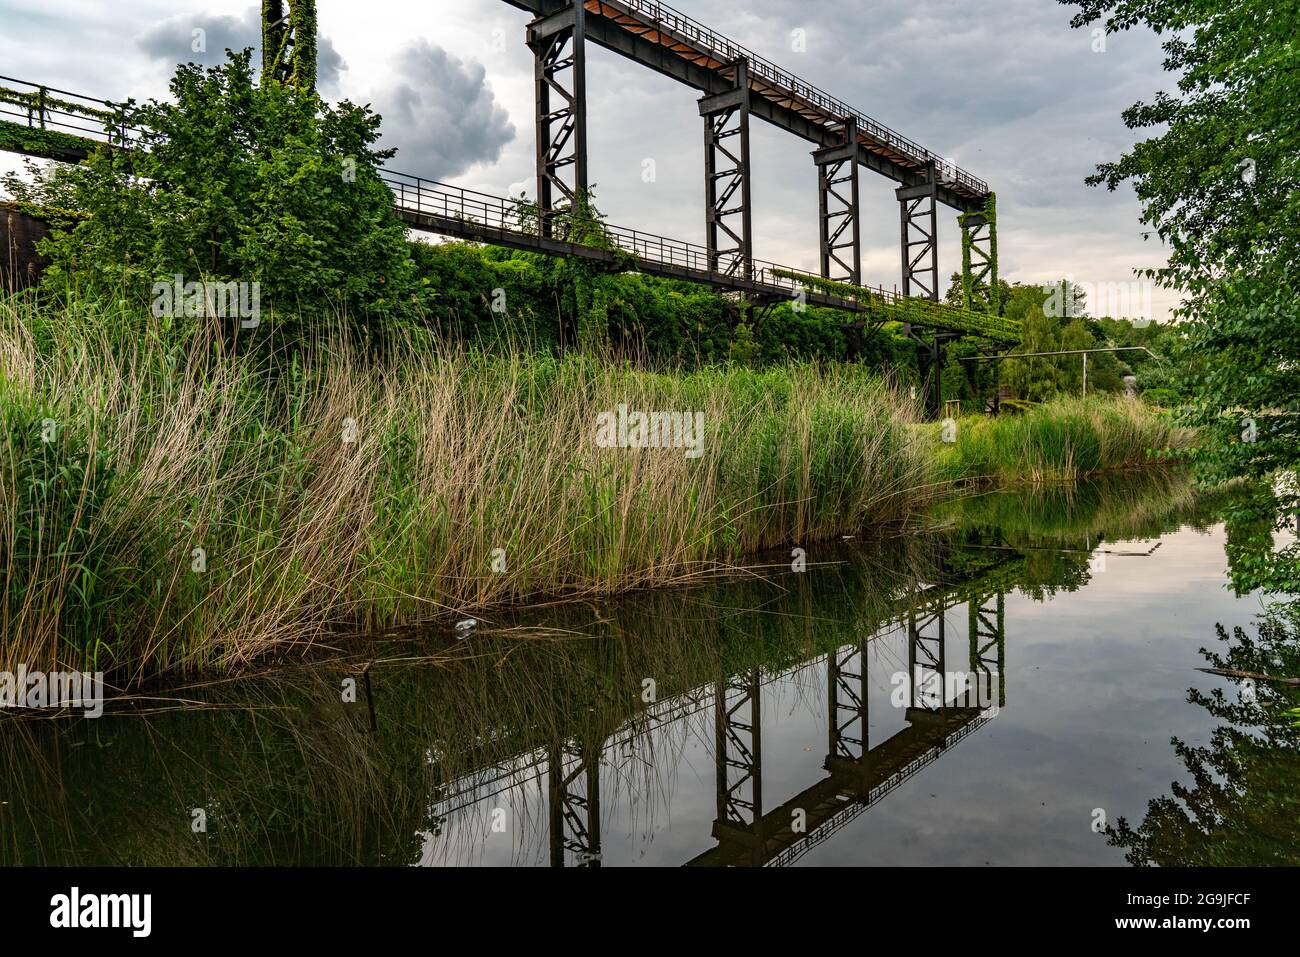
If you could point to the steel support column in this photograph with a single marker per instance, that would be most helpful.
(988, 644)
(930, 358)
(558, 42)
(289, 42)
(837, 202)
(739, 754)
(573, 792)
(925, 659)
(847, 709)
(979, 259)
(728, 221)
(918, 209)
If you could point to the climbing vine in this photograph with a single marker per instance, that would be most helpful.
(990, 301)
(289, 45)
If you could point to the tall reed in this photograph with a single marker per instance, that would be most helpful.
(1066, 439)
(172, 505)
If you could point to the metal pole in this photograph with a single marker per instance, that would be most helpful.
(1085, 375)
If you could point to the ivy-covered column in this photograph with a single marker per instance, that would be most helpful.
(289, 43)
(979, 258)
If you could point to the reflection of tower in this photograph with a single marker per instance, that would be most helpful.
(925, 656)
(931, 683)
(739, 758)
(988, 647)
(859, 773)
(573, 787)
(847, 707)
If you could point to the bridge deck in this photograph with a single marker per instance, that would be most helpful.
(467, 214)
(655, 35)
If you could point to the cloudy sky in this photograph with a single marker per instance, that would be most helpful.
(1003, 87)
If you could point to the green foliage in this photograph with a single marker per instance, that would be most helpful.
(1040, 378)
(587, 289)
(19, 138)
(40, 100)
(50, 215)
(980, 287)
(296, 61)
(235, 182)
(1063, 439)
(659, 321)
(1220, 183)
(1056, 319)
(36, 140)
(744, 349)
(54, 485)
(170, 442)
(912, 309)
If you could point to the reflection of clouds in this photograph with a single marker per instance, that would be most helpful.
(519, 788)
(638, 783)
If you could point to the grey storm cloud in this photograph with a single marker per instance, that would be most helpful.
(175, 40)
(441, 113)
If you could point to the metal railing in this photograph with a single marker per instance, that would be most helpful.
(90, 118)
(725, 50)
(61, 111)
(428, 197)
(414, 194)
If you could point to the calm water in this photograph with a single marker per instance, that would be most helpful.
(1014, 685)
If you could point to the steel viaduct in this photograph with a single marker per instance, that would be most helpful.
(736, 85)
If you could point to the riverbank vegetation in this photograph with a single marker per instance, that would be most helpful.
(170, 504)
(386, 432)
(1058, 441)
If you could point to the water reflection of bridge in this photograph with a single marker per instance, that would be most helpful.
(945, 701)
(943, 708)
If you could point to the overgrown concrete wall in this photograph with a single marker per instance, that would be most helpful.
(20, 263)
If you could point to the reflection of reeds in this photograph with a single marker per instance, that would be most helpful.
(344, 491)
(1129, 507)
(282, 771)
(290, 774)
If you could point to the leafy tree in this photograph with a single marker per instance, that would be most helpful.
(1156, 377)
(1075, 335)
(743, 349)
(1037, 379)
(1219, 184)
(1064, 300)
(234, 181)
